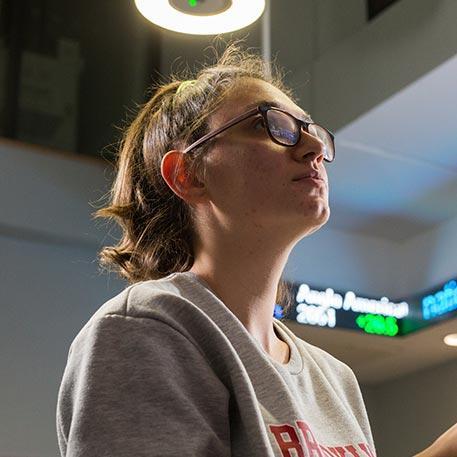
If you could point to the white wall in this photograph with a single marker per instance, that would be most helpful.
(336, 22)
(49, 193)
(375, 266)
(436, 252)
(345, 261)
(409, 413)
(49, 281)
(48, 290)
(403, 43)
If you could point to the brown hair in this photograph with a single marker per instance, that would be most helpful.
(157, 226)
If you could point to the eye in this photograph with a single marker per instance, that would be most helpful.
(258, 123)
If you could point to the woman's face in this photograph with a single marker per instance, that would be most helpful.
(250, 179)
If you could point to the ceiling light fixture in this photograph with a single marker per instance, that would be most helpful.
(201, 17)
(451, 339)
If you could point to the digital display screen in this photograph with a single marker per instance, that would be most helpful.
(373, 315)
(440, 302)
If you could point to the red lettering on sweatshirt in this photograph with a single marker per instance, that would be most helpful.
(287, 438)
(366, 449)
(345, 451)
(292, 442)
(327, 452)
(310, 442)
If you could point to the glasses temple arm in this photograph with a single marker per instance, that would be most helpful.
(229, 124)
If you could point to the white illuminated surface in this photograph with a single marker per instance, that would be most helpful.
(316, 315)
(451, 340)
(316, 307)
(241, 14)
(351, 302)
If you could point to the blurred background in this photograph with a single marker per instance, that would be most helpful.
(380, 74)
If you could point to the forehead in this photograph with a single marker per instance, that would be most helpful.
(248, 93)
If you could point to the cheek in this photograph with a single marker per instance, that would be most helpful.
(225, 175)
(245, 178)
(260, 173)
(223, 164)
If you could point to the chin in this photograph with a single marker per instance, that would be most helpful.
(325, 214)
(318, 217)
(318, 210)
(322, 219)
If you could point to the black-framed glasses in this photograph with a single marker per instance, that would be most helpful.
(283, 128)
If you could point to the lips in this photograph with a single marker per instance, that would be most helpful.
(311, 174)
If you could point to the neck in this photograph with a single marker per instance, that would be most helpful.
(244, 274)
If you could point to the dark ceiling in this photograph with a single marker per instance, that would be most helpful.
(73, 69)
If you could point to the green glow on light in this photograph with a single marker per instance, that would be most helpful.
(192, 2)
(378, 324)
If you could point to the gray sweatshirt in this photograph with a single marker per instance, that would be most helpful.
(166, 369)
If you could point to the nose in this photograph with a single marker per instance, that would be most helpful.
(309, 148)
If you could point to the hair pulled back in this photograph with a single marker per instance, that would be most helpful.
(157, 226)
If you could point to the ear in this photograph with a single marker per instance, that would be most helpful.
(173, 170)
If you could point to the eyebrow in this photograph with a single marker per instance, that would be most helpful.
(303, 116)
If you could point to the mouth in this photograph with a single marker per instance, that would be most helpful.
(314, 175)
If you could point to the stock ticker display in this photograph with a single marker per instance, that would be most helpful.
(374, 315)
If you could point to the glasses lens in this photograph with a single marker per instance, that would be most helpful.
(323, 135)
(283, 127)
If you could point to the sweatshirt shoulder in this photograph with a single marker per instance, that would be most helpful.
(145, 299)
(158, 300)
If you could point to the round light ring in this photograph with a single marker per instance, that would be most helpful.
(202, 7)
(240, 14)
(451, 340)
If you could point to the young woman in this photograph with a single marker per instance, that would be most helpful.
(218, 178)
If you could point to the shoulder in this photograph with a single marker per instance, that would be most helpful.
(144, 299)
(120, 364)
(156, 321)
(136, 306)
(161, 299)
(147, 311)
